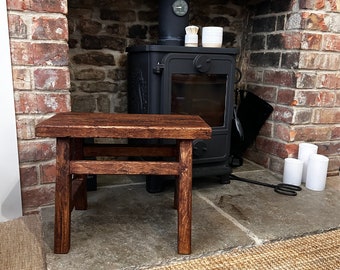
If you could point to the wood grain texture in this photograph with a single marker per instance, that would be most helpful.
(109, 125)
(124, 167)
(63, 198)
(71, 128)
(185, 197)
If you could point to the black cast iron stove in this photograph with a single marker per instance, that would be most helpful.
(167, 78)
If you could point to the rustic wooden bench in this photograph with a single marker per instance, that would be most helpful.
(70, 129)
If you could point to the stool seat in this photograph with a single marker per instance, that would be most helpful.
(107, 125)
(70, 128)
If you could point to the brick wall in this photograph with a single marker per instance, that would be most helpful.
(292, 60)
(71, 55)
(100, 33)
(38, 36)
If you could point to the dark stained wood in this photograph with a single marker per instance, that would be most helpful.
(108, 125)
(124, 167)
(184, 197)
(127, 150)
(63, 194)
(70, 128)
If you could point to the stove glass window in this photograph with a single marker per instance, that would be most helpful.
(200, 94)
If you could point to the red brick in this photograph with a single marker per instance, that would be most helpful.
(314, 21)
(53, 103)
(279, 78)
(326, 116)
(315, 61)
(49, 28)
(291, 40)
(311, 41)
(36, 150)
(50, 54)
(18, 5)
(37, 196)
(315, 98)
(286, 97)
(291, 149)
(21, 78)
(48, 173)
(334, 4)
(292, 115)
(25, 127)
(283, 114)
(302, 116)
(17, 26)
(331, 43)
(325, 99)
(21, 53)
(337, 102)
(329, 81)
(273, 147)
(266, 129)
(312, 4)
(52, 79)
(258, 157)
(28, 176)
(329, 148)
(253, 75)
(335, 133)
(313, 133)
(305, 80)
(42, 102)
(54, 6)
(284, 133)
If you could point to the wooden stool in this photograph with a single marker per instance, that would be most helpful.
(71, 128)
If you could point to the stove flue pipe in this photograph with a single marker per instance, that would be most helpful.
(171, 26)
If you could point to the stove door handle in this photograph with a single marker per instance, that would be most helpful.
(158, 69)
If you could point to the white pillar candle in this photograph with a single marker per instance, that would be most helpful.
(305, 150)
(317, 172)
(292, 171)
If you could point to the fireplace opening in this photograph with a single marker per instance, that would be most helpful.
(279, 44)
(167, 78)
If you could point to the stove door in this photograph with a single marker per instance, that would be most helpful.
(201, 84)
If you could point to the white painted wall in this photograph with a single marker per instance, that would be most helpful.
(10, 194)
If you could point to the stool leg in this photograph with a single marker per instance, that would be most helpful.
(63, 190)
(185, 197)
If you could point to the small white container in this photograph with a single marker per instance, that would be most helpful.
(191, 37)
(191, 40)
(317, 172)
(212, 36)
(292, 171)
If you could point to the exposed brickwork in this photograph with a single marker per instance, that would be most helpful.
(38, 36)
(298, 57)
(71, 54)
(99, 35)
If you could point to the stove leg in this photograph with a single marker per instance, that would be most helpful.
(225, 179)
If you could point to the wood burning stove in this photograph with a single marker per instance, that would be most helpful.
(176, 79)
(170, 78)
